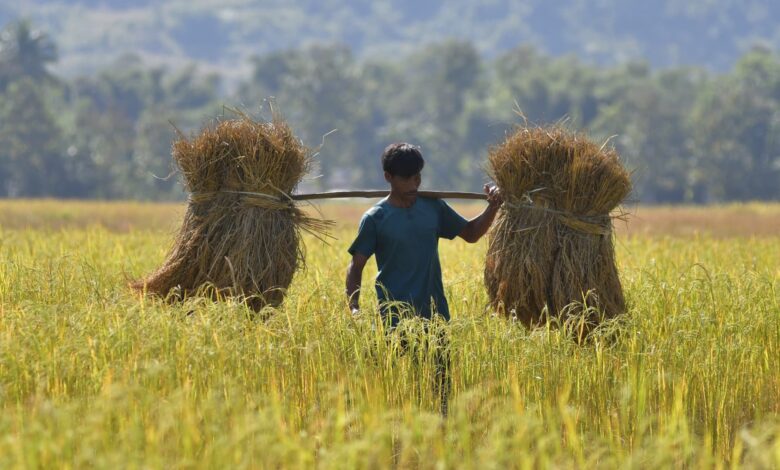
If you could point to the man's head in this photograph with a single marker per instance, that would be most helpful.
(402, 159)
(402, 164)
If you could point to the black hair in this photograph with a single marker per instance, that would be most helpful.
(402, 159)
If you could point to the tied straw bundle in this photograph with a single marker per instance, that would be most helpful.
(240, 236)
(550, 252)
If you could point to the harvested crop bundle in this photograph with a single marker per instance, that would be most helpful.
(551, 250)
(241, 233)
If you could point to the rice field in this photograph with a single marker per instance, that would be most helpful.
(92, 375)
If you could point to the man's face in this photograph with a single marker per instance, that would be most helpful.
(405, 187)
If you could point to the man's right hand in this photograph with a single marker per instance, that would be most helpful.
(354, 275)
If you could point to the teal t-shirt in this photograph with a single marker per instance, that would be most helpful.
(406, 244)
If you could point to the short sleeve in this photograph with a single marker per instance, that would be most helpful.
(365, 242)
(450, 222)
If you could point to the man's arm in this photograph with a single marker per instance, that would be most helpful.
(354, 279)
(477, 227)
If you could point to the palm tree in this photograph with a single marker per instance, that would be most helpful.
(25, 52)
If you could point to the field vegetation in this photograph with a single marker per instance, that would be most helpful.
(93, 375)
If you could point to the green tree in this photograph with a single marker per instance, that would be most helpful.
(648, 115)
(736, 130)
(122, 126)
(318, 89)
(269, 73)
(31, 149)
(25, 52)
(425, 103)
(153, 168)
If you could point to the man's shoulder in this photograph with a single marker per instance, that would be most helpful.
(377, 211)
(444, 213)
(431, 203)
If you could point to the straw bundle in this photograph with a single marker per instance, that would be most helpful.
(551, 249)
(238, 238)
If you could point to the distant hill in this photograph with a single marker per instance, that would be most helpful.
(222, 34)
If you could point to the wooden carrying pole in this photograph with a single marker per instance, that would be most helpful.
(383, 193)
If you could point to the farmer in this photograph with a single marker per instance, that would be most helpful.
(403, 231)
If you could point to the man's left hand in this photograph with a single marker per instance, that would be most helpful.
(494, 197)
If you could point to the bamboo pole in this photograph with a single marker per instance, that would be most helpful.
(383, 193)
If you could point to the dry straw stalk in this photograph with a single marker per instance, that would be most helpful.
(551, 251)
(233, 243)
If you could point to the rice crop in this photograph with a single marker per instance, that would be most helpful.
(95, 375)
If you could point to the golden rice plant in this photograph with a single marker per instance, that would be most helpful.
(551, 249)
(240, 236)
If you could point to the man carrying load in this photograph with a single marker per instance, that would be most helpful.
(403, 231)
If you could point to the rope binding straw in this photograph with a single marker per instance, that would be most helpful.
(588, 224)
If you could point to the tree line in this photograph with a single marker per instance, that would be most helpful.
(688, 134)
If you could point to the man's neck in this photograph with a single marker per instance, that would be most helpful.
(397, 200)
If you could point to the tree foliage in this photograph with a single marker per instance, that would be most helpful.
(688, 134)
(25, 53)
(711, 33)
